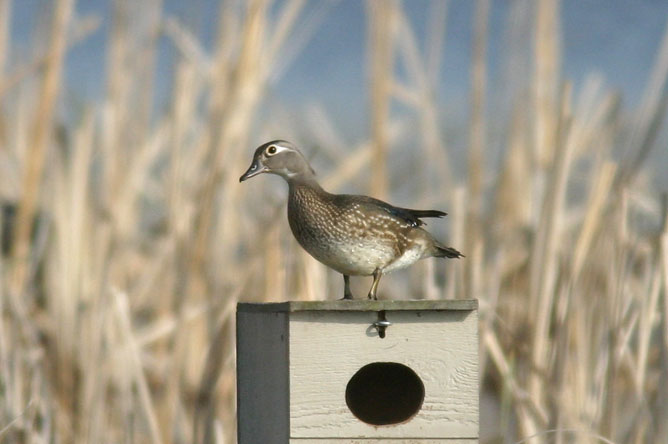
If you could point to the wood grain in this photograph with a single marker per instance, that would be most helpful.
(382, 441)
(362, 305)
(327, 348)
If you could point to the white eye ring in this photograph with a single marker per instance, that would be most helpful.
(274, 149)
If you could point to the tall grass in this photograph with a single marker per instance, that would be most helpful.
(127, 240)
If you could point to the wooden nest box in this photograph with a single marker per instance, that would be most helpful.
(368, 372)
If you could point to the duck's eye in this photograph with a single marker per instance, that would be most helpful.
(272, 150)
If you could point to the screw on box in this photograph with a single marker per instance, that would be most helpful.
(381, 324)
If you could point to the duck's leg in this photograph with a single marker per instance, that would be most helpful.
(376, 278)
(347, 294)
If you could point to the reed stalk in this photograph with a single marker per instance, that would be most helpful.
(127, 240)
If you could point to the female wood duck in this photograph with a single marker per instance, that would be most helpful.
(354, 235)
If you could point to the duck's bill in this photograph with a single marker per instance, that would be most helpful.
(253, 170)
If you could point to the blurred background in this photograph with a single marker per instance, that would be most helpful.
(538, 125)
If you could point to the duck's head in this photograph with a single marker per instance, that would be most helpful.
(279, 157)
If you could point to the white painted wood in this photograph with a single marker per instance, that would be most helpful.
(328, 347)
(361, 305)
(381, 441)
(295, 359)
(262, 377)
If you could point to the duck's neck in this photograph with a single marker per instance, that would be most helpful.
(303, 180)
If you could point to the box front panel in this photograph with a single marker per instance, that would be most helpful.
(382, 441)
(328, 348)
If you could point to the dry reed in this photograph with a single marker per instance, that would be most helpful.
(129, 251)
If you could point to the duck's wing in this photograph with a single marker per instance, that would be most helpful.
(406, 215)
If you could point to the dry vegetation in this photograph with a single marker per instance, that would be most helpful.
(127, 240)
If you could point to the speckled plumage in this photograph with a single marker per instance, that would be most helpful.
(354, 235)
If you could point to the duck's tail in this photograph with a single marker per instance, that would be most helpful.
(443, 251)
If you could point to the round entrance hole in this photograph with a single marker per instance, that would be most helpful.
(384, 393)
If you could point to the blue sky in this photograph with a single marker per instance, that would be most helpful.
(615, 38)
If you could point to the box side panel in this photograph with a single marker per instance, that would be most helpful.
(262, 378)
(328, 348)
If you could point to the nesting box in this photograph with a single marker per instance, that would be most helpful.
(357, 372)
